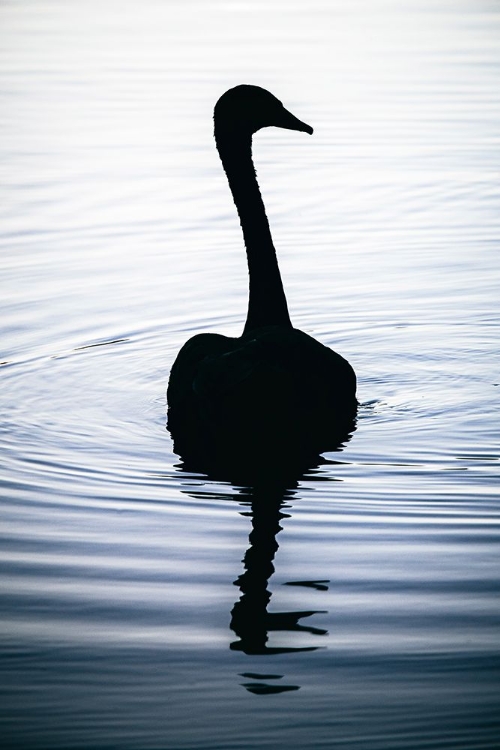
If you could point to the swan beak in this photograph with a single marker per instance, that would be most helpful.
(290, 122)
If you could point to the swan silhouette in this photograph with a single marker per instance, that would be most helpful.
(275, 391)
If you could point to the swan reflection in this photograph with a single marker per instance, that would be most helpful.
(250, 619)
(267, 502)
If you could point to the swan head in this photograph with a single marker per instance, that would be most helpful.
(246, 109)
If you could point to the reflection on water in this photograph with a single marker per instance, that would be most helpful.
(250, 619)
(376, 622)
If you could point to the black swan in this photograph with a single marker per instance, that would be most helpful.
(275, 392)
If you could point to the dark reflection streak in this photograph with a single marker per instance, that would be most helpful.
(318, 585)
(265, 486)
(259, 688)
(101, 343)
(250, 619)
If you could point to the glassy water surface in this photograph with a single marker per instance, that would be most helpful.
(147, 607)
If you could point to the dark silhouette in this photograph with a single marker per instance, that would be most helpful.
(266, 505)
(275, 396)
(250, 619)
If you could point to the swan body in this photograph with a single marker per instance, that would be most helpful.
(275, 390)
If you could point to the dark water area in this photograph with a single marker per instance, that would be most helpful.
(144, 605)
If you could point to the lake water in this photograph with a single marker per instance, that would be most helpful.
(372, 620)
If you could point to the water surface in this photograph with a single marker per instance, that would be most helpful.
(365, 612)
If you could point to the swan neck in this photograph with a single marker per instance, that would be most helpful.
(267, 302)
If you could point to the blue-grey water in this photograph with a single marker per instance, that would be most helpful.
(119, 240)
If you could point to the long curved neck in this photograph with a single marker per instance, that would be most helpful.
(267, 301)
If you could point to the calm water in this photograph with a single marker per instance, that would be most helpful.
(122, 626)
